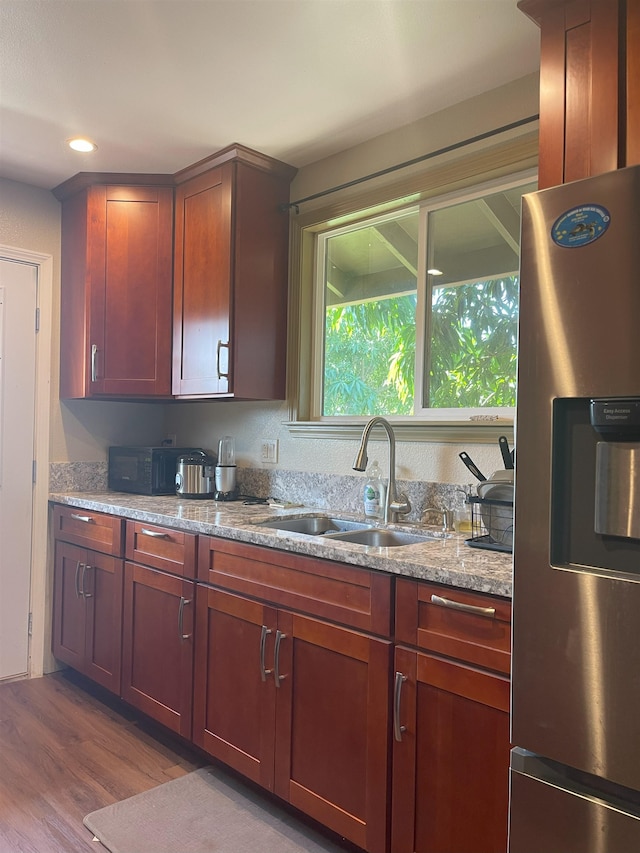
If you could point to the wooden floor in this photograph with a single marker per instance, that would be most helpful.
(66, 749)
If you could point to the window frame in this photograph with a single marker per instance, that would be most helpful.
(513, 160)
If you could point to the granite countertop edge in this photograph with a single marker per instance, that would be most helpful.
(448, 561)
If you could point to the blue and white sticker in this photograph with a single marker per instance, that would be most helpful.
(580, 226)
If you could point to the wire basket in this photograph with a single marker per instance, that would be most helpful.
(491, 524)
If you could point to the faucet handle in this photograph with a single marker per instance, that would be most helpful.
(400, 505)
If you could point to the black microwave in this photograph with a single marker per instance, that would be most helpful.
(144, 470)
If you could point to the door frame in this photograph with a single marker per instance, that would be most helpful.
(41, 582)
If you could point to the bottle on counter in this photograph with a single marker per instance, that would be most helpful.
(374, 491)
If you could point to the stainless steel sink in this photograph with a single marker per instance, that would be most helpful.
(381, 538)
(315, 525)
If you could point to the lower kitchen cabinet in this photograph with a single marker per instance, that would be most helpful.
(450, 723)
(87, 611)
(297, 704)
(393, 733)
(158, 623)
(157, 645)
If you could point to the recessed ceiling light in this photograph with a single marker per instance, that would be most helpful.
(434, 272)
(81, 143)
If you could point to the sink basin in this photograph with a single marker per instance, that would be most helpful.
(381, 538)
(315, 525)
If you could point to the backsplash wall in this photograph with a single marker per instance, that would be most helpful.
(342, 493)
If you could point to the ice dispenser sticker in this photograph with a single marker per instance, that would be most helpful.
(617, 486)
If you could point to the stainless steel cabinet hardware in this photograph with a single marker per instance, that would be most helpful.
(263, 642)
(221, 345)
(156, 534)
(85, 569)
(276, 658)
(79, 567)
(183, 604)
(86, 518)
(397, 691)
(489, 612)
(94, 358)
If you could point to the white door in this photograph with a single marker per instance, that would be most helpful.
(18, 302)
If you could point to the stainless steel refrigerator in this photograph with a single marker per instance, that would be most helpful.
(575, 766)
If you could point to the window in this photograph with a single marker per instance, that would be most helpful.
(416, 311)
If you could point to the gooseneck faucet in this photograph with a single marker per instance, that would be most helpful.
(394, 504)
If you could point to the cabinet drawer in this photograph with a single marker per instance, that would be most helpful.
(471, 626)
(356, 597)
(162, 548)
(95, 530)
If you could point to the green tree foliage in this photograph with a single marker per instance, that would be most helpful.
(474, 330)
(370, 357)
(370, 351)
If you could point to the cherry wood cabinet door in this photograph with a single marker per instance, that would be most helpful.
(589, 116)
(234, 691)
(450, 757)
(116, 292)
(69, 608)
(202, 291)
(332, 716)
(88, 612)
(157, 649)
(231, 277)
(102, 591)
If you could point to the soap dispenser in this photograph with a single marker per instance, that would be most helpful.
(374, 490)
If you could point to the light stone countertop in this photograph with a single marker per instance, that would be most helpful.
(448, 561)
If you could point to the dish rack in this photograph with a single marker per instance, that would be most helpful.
(491, 524)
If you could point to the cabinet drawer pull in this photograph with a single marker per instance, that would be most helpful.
(276, 658)
(489, 612)
(94, 358)
(263, 642)
(85, 594)
(183, 604)
(221, 344)
(86, 518)
(155, 534)
(79, 566)
(397, 691)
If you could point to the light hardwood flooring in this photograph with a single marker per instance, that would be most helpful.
(66, 749)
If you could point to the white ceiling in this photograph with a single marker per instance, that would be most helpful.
(160, 84)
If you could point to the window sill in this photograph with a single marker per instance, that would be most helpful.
(451, 432)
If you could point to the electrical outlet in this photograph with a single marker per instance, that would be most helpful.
(269, 450)
(170, 440)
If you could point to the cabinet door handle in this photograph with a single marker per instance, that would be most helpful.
(263, 642)
(85, 594)
(489, 612)
(86, 518)
(79, 566)
(276, 658)
(397, 691)
(94, 359)
(221, 344)
(183, 604)
(156, 534)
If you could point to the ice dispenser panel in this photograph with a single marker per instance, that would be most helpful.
(595, 485)
(618, 489)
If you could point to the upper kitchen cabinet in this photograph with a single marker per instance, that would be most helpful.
(589, 86)
(117, 240)
(230, 277)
